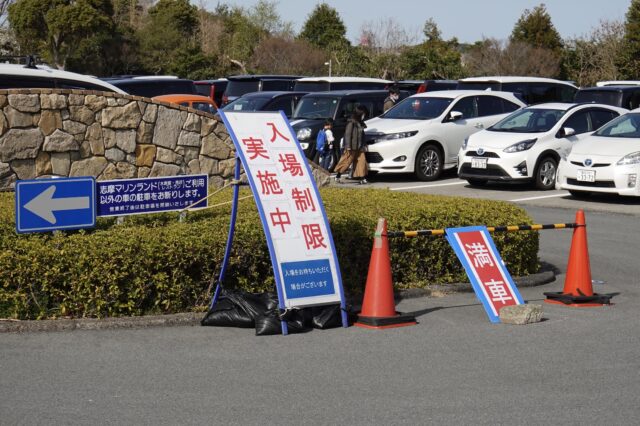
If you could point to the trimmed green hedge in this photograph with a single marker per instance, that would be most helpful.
(154, 264)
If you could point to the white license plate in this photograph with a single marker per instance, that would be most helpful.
(586, 176)
(479, 163)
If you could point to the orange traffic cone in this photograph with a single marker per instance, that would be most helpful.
(578, 291)
(378, 306)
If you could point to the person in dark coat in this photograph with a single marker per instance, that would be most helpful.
(354, 148)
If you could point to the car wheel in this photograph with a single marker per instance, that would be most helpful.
(477, 182)
(428, 163)
(579, 194)
(545, 176)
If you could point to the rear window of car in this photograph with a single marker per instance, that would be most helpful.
(607, 97)
(240, 87)
(311, 86)
(276, 85)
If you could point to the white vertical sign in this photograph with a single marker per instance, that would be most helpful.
(293, 216)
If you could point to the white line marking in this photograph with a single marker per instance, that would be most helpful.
(428, 186)
(539, 198)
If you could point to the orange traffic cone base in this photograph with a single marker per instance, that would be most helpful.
(594, 301)
(399, 320)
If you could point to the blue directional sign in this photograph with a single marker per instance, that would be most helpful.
(125, 197)
(54, 204)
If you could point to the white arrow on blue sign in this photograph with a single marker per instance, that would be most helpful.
(55, 204)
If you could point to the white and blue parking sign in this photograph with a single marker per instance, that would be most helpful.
(55, 204)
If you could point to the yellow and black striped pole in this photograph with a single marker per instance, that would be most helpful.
(508, 228)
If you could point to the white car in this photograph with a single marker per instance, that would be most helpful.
(15, 76)
(527, 145)
(607, 161)
(423, 133)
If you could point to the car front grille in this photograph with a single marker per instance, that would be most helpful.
(492, 170)
(596, 184)
(578, 163)
(485, 154)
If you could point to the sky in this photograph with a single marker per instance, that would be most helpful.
(468, 20)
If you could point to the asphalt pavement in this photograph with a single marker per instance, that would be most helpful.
(578, 366)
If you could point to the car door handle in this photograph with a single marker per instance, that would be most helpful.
(479, 126)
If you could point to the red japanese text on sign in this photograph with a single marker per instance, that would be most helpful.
(269, 184)
(275, 133)
(255, 148)
(280, 218)
(303, 199)
(291, 164)
(487, 270)
(313, 237)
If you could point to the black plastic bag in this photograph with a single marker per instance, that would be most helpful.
(326, 317)
(236, 309)
(270, 324)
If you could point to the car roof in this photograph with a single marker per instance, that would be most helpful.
(182, 98)
(46, 72)
(611, 88)
(334, 93)
(453, 94)
(272, 94)
(513, 79)
(256, 77)
(618, 83)
(566, 106)
(149, 78)
(344, 80)
(218, 80)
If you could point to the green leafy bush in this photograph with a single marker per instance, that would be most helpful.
(154, 264)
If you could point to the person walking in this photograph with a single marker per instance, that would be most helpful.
(354, 148)
(391, 100)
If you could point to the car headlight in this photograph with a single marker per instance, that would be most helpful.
(633, 158)
(303, 134)
(464, 144)
(393, 136)
(521, 146)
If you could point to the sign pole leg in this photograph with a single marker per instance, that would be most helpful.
(232, 227)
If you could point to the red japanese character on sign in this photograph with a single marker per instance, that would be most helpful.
(268, 182)
(276, 132)
(480, 253)
(304, 200)
(313, 237)
(255, 148)
(291, 164)
(279, 218)
(498, 291)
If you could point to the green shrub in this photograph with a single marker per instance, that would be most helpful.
(154, 264)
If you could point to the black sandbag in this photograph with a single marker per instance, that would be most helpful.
(326, 317)
(270, 324)
(235, 309)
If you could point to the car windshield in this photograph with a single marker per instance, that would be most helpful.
(625, 126)
(240, 87)
(529, 120)
(420, 108)
(316, 107)
(204, 106)
(246, 104)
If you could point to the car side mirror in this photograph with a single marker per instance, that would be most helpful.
(566, 132)
(455, 115)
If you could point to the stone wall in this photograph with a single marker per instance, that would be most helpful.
(107, 135)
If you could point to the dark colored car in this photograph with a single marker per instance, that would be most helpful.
(314, 108)
(266, 101)
(532, 90)
(212, 88)
(238, 85)
(150, 86)
(325, 84)
(434, 85)
(621, 96)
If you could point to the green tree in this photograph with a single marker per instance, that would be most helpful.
(56, 29)
(630, 59)
(433, 58)
(324, 28)
(535, 28)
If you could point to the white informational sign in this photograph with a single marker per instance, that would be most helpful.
(295, 223)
